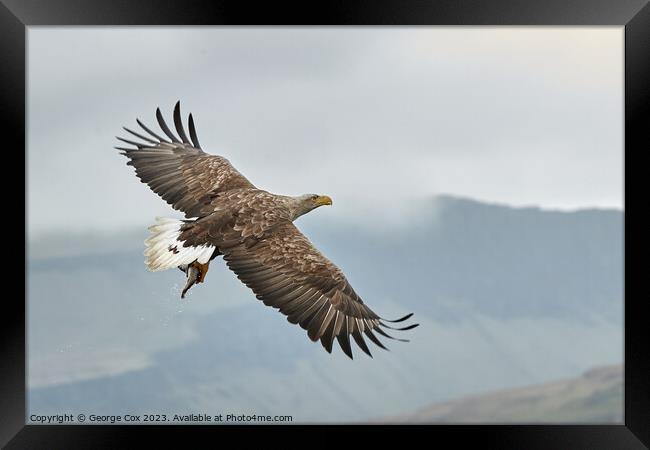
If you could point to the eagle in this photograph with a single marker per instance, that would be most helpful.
(253, 230)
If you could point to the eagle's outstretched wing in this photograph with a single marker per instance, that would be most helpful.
(287, 272)
(178, 170)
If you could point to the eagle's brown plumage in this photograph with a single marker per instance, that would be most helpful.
(253, 230)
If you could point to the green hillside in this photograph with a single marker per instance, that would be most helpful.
(594, 397)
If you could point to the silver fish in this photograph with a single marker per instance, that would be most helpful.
(192, 275)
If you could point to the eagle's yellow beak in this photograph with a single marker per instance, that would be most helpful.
(323, 200)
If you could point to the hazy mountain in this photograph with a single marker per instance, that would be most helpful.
(505, 297)
(594, 397)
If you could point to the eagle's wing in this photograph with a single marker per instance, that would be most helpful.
(178, 170)
(288, 273)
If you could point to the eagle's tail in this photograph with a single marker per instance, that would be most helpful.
(164, 249)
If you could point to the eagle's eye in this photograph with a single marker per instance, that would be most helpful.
(314, 197)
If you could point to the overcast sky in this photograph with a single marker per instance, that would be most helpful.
(381, 119)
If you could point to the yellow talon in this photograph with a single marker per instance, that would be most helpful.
(203, 270)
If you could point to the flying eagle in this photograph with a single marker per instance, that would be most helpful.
(254, 232)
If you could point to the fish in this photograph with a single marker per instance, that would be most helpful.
(192, 276)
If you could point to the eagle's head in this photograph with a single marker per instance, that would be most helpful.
(304, 203)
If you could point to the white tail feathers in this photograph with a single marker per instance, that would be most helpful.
(164, 250)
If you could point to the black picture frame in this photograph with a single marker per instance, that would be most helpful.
(634, 15)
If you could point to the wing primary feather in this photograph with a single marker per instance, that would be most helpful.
(164, 127)
(309, 315)
(361, 343)
(145, 128)
(338, 325)
(327, 337)
(360, 324)
(327, 343)
(138, 135)
(344, 340)
(178, 123)
(401, 319)
(193, 136)
(409, 327)
(137, 144)
(320, 328)
(383, 333)
(373, 338)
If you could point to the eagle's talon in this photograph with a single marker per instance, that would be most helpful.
(203, 270)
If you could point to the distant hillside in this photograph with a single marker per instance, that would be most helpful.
(505, 296)
(495, 259)
(594, 397)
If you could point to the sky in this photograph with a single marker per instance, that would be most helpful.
(381, 119)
